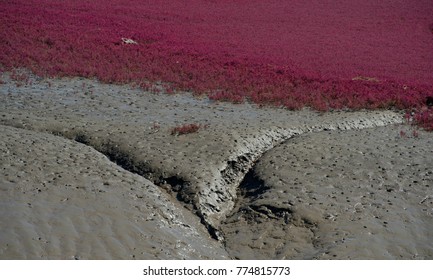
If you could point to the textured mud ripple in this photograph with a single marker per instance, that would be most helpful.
(359, 194)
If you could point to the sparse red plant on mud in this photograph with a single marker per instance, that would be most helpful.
(186, 129)
(329, 55)
(21, 77)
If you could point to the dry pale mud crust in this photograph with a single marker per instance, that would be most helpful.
(132, 128)
(359, 194)
(60, 199)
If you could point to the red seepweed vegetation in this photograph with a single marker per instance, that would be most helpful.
(333, 55)
(186, 129)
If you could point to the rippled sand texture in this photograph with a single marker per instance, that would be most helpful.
(360, 194)
(130, 189)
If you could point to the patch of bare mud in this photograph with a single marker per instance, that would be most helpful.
(359, 194)
(63, 200)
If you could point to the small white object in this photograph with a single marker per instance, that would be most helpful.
(129, 41)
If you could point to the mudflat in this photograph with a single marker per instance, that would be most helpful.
(358, 194)
(93, 171)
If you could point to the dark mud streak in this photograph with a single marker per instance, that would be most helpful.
(252, 186)
(273, 212)
(236, 167)
(250, 189)
(116, 155)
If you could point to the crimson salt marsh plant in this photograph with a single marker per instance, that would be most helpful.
(186, 129)
(330, 55)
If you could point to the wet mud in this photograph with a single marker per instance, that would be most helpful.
(219, 176)
(359, 194)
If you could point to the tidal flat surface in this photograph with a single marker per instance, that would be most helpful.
(129, 188)
(358, 194)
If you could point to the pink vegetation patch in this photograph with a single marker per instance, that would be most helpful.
(186, 129)
(320, 54)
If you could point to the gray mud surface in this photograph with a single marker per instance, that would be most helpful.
(359, 194)
(63, 200)
(212, 194)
